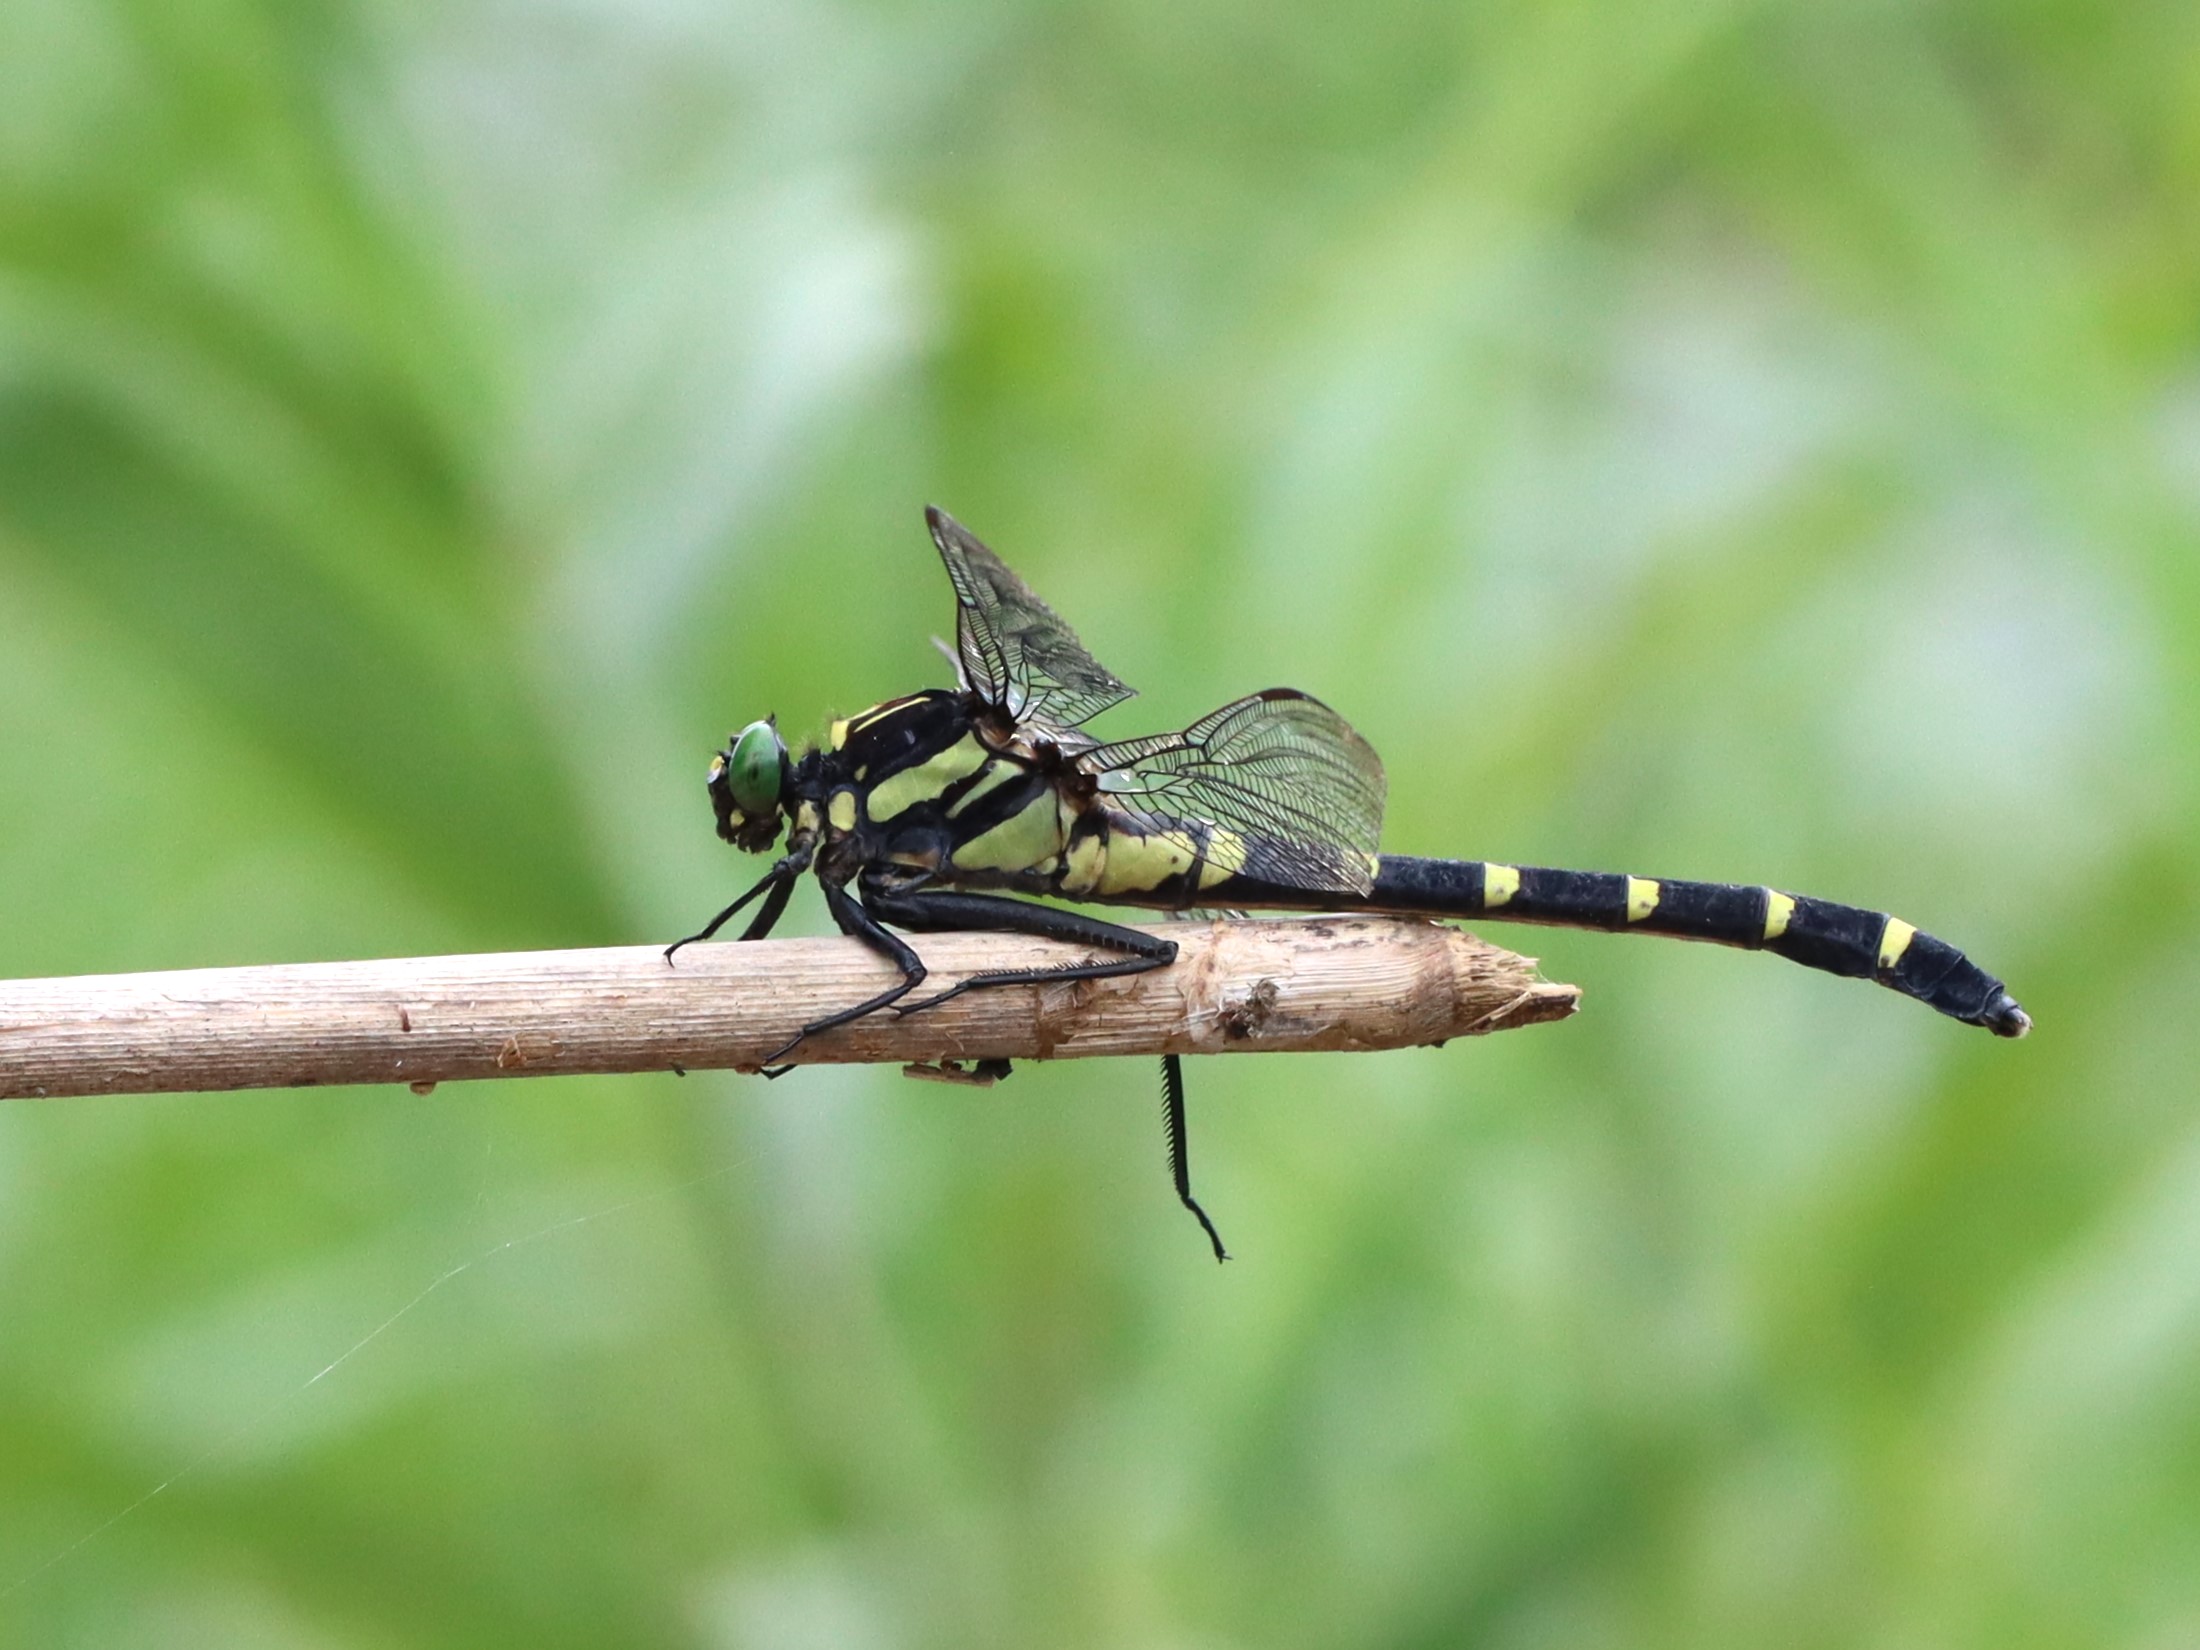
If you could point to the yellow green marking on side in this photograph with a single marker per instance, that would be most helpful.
(1138, 863)
(1499, 884)
(1226, 856)
(898, 792)
(1082, 864)
(1018, 842)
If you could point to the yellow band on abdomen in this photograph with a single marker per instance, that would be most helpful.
(1893, 941)
(1642, 898)
(1499, 884)
(1778, 908)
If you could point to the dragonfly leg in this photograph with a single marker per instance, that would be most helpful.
(779, 881)
(938, 911)
(774, 906)
(860, 924)
(1180, 1169)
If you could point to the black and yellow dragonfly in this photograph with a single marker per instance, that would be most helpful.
(940, 804)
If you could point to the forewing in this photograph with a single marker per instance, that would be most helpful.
(1015, 652)
(1281, 769)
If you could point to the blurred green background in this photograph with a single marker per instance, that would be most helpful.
(1758, 442)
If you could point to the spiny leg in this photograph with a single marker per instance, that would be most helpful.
(939, 911)
(859, 924)
(774, 907)
(1180, 1169)
(771, 879)
(779, 880)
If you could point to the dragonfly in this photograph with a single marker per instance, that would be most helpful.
(942, 806)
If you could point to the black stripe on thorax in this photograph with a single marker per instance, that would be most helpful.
(900, 733)
(1002, 798)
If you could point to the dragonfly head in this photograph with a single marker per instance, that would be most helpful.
(747, 780)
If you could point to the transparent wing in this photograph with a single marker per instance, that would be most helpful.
(1013, 650)
(1281, 769)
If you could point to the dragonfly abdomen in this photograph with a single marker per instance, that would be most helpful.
(1837, 939)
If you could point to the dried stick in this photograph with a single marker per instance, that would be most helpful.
(1317, 983)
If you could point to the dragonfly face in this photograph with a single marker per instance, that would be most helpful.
(748, 780)
(937, 805)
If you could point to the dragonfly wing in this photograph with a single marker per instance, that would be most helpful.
(1281, 769)
(1014, 650)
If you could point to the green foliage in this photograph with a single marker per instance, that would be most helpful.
(1748, 442)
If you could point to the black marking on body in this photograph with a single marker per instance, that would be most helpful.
(1725, 913)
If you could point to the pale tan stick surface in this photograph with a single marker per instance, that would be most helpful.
(1237, 985)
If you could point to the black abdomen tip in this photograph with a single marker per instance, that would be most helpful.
(2004, 1018)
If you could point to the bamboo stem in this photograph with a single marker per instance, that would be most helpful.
(1237, 986)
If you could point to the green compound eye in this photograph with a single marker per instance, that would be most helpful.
(754, 767)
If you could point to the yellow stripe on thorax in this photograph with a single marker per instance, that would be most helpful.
(1894, 939)
(878, 712)
(1025, 839)
(1778, 908)
(1499, 884)
(1642, 898)
(903, 790)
